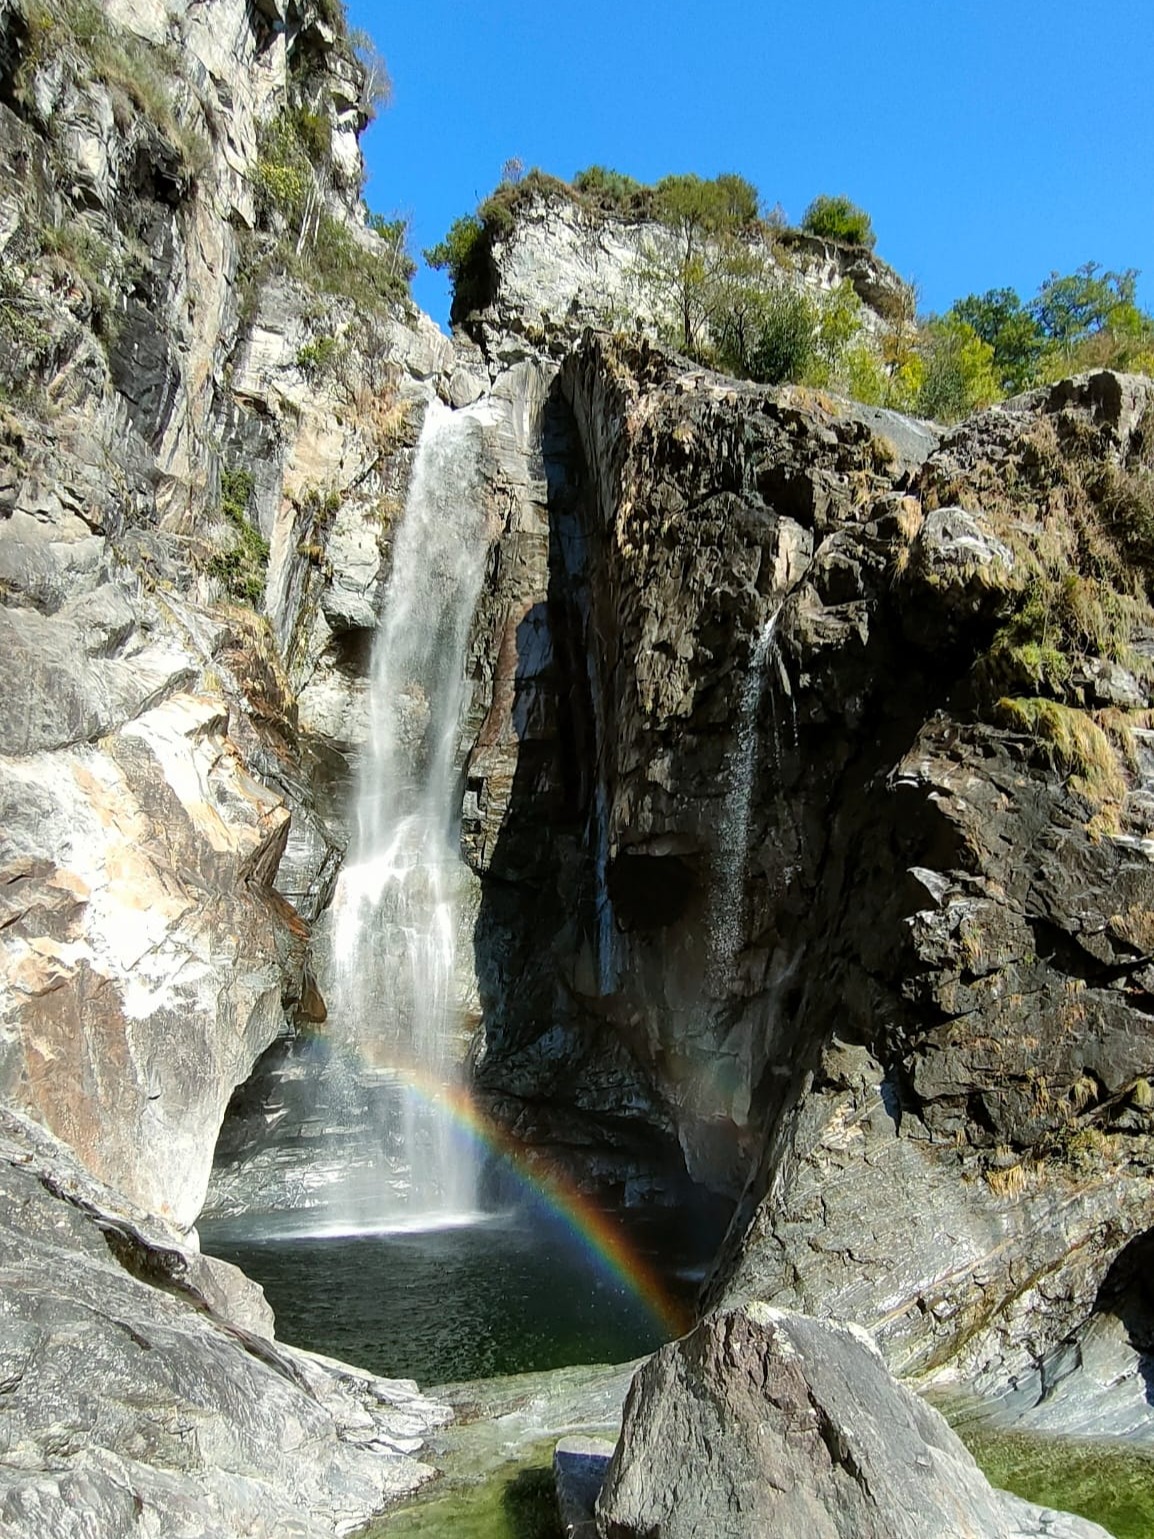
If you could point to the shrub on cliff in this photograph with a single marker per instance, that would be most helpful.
(612, 190)
(464, 253)
(309, 242)
(241, 565)
(466, 249)
(958, 372)
(767, 334)
(839, 219)
(140, 75)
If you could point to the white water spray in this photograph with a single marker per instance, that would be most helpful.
(393, 993)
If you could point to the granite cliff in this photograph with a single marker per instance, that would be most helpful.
(180, 358)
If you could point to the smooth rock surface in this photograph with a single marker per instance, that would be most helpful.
(142, 1394)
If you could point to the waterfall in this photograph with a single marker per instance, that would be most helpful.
(726, 928)
(394, 1006)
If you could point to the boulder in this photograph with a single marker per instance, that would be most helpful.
(141, 1391)
(579, 1466)
(762, 1422)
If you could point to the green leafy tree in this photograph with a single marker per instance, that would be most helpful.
(783, 337)
(761, 327)
(460, 253)
(1069, 308)
(1000, 319)
(704, 217)
(959, 373)
(839, 219)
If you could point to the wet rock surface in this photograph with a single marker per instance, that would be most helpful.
(807, 778)
(760, 1421)
(185, 424)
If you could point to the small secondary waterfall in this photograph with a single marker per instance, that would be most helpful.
(726, 929)
(395, 912)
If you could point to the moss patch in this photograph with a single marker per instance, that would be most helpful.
(517, 1503)
(1108, 1482)
(242, 564)
(1073, 742)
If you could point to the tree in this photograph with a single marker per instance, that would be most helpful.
(1000, 319)
(958, 371)
(704, 217)
(1070, 308)
(839, 219)
(782, 341)
(761, 328)
(376, 82)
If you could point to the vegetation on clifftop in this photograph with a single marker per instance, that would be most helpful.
(726, 279)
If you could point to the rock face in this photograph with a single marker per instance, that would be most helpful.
(810, 803)
(765, 1422)
(562, 262)
(141, 1391)
(209, 394)
(208, 382)
(807, 783)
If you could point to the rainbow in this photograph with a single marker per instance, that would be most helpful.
(593, 1230)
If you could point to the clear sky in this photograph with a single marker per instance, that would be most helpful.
(991, 141)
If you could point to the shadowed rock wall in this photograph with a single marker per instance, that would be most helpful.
(927, 1043)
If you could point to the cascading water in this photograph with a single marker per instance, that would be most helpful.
(393, 998)
(727, 910)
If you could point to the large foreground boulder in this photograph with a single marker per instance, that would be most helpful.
(761, 1422)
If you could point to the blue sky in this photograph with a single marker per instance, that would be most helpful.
(991, 141)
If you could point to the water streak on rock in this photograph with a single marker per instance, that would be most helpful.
(726, 930)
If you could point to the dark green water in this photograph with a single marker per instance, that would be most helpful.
(518, 1294)
(511, 1294)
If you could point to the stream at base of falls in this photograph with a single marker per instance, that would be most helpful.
(512, 1294)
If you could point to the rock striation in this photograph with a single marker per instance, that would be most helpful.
(142, 1389)
(806, 768)
(859, 882)
(760, 1421)
(209, 377)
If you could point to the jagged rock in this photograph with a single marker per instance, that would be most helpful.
(170, 406)
(563, 264)
(760, 1421)
(876, 885)
(142, 950)
(923, 1258)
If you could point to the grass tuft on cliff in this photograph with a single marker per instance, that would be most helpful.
(308, 242)
(243, 562)
(139, 74)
